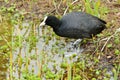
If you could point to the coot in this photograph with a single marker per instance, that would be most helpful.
(77, 25)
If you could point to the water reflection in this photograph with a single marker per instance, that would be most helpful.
(49, 51)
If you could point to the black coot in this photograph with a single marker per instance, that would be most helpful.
(77, 25)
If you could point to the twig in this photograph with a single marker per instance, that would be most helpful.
(59, 4)
(117, 30)
(56, 8)
(108, 1)
(68, 6)
(106, 43)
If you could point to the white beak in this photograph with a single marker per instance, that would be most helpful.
(43, 23)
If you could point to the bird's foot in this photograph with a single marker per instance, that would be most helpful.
(75, 44)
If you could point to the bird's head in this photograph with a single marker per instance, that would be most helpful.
(51, 21)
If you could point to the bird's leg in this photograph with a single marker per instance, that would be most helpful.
(75, 44)
(77, 41)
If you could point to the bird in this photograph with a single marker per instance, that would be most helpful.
(76, 25)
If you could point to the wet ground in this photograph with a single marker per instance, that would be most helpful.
(47, 50)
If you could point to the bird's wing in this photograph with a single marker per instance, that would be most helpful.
(89, 16)
(73, 33)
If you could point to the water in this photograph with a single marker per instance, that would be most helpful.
(49, 51)
(50, 54)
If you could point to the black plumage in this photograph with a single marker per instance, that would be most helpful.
(76, 25)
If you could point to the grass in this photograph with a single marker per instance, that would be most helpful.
(116, 72)
(35, 58)
(95, 8)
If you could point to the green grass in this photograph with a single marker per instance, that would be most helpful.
(95, 8)
(90, 64)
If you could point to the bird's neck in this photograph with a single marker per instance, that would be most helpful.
(56, 24)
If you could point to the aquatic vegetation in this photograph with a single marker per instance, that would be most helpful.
(29, 54)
